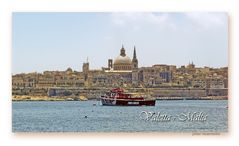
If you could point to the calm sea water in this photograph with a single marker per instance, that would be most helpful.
(90, 116)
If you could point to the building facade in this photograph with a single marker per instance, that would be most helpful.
(125, 72)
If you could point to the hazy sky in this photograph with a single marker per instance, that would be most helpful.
(56, 41)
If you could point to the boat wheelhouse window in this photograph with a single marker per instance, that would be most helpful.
(113, 94)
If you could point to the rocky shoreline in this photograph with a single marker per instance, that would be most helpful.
(83, 98)
(47, 98)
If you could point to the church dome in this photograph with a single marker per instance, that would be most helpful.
(122, 60)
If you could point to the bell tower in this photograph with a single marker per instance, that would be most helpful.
(85, 69)
(110, 64)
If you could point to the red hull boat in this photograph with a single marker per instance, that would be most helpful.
(117, 97)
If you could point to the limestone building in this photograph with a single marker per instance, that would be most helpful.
(124, 72)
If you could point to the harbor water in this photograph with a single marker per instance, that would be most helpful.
(91, 116)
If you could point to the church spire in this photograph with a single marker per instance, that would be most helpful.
(134, 60)
(134, 57)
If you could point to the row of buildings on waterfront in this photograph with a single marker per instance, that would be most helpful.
(125, 72)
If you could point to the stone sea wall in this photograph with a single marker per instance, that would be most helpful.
(189, 92)
(47, 98)
(64, 94)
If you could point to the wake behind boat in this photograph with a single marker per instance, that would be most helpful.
(117, 97)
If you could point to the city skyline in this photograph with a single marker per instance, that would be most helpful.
(56, 41)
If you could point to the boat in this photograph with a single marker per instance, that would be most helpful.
(117, 97)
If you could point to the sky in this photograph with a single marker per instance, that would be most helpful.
(55, 41)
